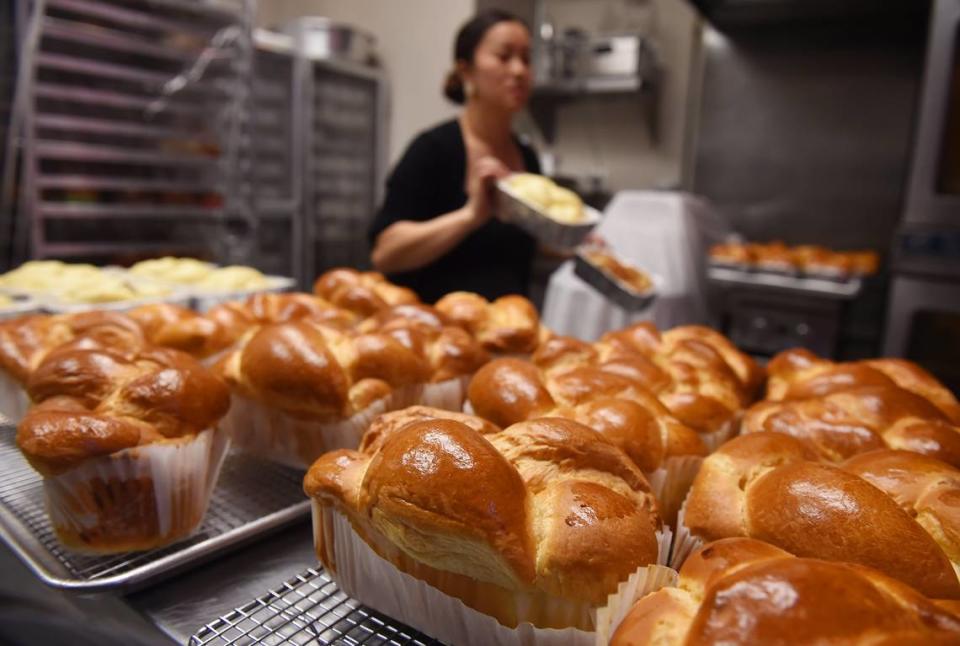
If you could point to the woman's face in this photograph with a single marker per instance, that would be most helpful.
(500, 73)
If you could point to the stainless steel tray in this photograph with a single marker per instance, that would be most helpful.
(252, 497)
(827, 288)
(611, 289)
(307, 609)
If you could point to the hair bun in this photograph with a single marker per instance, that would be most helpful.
(453, 87)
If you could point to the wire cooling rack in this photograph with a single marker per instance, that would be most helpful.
(307, 609)
(252, 497)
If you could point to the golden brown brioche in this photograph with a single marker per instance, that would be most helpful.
(387, 424)
(363, 293)
(507, 391)
(312, 371)
(733, 253)
(172, 326)
(509, 324)
(927, 489)
(689, 372)
(631, 277)
(763, 486)
(859, 419)
(740, 591)
(545, 510)
(95, 402)
(451, 350)
(800, 374)
(25, 341)
(749, 374)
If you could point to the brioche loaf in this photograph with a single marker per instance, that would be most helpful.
(538, 522)
(742, 591)
(127, 445)
(763, 485)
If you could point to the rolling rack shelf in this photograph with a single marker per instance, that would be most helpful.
(306, 609)
(133, 122)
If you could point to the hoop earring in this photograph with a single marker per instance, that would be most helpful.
(468, 89)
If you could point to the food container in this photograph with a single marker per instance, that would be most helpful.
(324, 39)
(550, 232)
(21, 305)
(613, 289)
(203, 300)
(138, 498)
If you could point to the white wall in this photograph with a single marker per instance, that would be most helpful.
(415, 43)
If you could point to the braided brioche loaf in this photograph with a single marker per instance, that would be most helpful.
(364, 293)
(742, 591)
(124, 444)
(304, 387)
(537, 522)
(840, 410)
(508, 325)
(766, 486)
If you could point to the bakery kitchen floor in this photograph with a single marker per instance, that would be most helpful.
(32, 614)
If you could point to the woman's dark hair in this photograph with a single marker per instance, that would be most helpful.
(465, 46)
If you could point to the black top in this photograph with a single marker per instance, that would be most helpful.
(429, 181)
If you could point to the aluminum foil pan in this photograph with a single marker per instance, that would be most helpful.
(550, 232)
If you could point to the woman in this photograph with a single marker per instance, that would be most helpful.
(435, 232)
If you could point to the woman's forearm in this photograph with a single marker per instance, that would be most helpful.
(407, 244)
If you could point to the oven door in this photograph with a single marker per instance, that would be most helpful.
(923, 325)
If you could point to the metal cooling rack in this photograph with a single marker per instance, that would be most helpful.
(252, 497)
(307, 609)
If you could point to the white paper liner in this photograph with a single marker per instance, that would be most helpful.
(278, 436)
(468, 407)
(137, 498)
(714, 440)
(446, 395)
(671, 482)
(364, 575)
(14, 400)
(685, 543)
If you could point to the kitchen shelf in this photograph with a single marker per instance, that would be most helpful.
(89, 125)
(101, 37)
(111, 154)
(98, 182)
(592, 85)
(67, 210)
(131, 17)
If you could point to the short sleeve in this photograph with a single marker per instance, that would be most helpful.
(408, 193)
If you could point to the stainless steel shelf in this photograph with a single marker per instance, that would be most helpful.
(96, 36)
(97, 211)
(97, 182)
(84, 249)
(124, 73)
(113, 99)
(127, 16)
(68, 123)
(112, 154)
(844, 290)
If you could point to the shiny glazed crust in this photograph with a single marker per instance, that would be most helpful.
(764, 486)
(742, 591)
(543, 509)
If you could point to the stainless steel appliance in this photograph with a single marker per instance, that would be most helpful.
(341, 116)
(923, 322)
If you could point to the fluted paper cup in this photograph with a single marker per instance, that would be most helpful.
(138, 498)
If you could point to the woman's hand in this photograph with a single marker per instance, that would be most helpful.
(484, 173)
